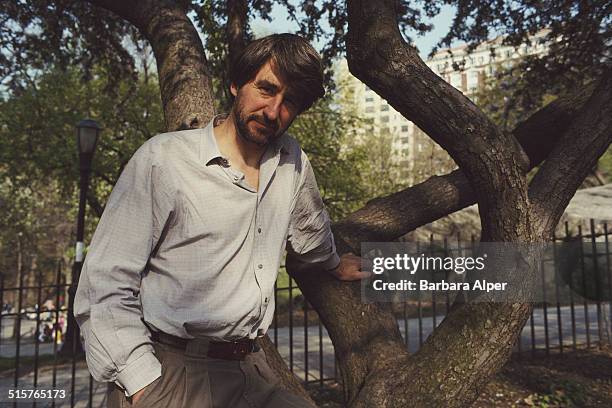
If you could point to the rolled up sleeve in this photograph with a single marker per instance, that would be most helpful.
(310, 236)
(107, 304)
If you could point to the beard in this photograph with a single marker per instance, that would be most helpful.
(255, 128)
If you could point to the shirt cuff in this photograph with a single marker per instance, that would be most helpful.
(332, 262)
(140, 373)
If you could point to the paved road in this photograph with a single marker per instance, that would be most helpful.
(318, 351)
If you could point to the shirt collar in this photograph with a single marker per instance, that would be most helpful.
(209, 150)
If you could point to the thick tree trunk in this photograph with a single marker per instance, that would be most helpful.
(181, 63)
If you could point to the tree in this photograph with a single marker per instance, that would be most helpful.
(509, 97)
(33, 236)
(566, 137)
(326, 135)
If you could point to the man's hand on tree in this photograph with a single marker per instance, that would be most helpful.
(349, 269)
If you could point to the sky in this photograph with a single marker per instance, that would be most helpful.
(282, 23)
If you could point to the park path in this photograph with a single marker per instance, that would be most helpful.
(320, 358)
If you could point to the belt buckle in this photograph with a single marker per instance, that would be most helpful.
(240, 350)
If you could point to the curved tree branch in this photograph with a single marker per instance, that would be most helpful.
(493, 161)
(388, 218)
(573, 157)
(181, 63)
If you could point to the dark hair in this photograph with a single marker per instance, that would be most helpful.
(294, 60)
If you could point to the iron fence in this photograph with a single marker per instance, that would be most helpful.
(34, 317)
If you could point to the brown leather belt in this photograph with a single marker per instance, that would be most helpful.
(225, 350)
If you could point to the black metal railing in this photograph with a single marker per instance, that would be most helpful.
(33, 327)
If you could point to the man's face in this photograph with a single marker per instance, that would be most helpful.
(264, 107)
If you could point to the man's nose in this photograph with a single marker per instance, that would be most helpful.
(272, 109)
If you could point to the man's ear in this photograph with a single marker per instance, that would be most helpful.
(233, 89)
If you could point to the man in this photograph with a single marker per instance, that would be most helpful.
(178, 282)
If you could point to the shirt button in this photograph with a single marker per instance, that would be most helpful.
(266, 300)
(260, 266)
(259, 230)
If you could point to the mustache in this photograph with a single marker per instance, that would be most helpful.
(262, 120)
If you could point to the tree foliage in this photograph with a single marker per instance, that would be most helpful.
(508, 98)
(340, 166)
(39, 161)
(39, 35)
(577, 36)
(38, 136)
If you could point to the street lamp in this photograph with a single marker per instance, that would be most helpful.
(87, 138)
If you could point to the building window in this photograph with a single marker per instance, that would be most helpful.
(456, 80)
(369, 99)
(384, 108)
(384, 119)
(405, 140)
(480, 60)
(369, 109)
(404, 128)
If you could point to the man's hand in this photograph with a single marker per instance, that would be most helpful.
(135, 397)
(349, 269)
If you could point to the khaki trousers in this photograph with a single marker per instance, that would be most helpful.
(190, 379)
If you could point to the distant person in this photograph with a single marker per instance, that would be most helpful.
(178, 283)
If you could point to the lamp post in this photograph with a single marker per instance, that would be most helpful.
(87, 138)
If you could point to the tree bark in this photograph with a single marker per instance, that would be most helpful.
(236, 28)
(181, 63)
(573, 157)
